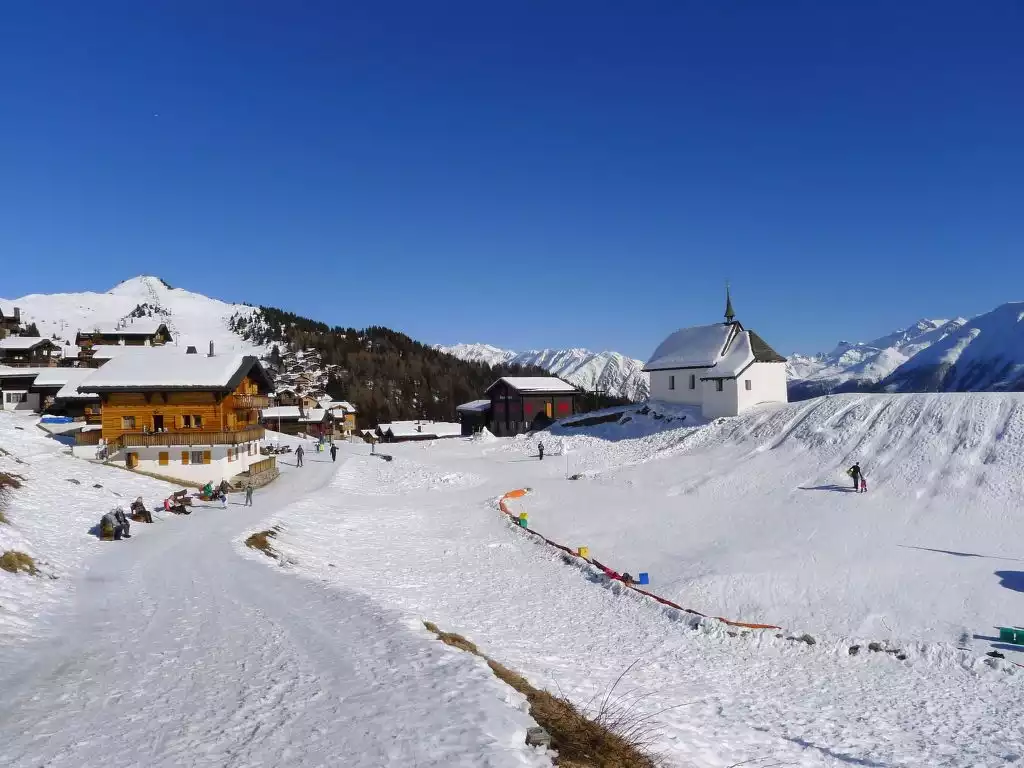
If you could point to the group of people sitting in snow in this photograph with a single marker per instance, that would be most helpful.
(116, 525)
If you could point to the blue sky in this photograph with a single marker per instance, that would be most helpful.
(526, 174)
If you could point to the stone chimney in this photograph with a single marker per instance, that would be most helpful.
(211, 348)
(17, 314)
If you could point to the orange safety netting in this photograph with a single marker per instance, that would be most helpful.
(520, 492)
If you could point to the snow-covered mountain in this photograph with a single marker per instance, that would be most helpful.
(191, 317)
(609, 372)
(983, 354)
(862, 365)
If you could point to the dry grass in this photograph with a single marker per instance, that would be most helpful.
(614, 736)
(9, 480)
(13, 561)
(261, 541)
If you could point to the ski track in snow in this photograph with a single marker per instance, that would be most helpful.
(182, 647)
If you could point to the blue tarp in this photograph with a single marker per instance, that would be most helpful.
(56, 420)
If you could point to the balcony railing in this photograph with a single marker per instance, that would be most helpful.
(141, 440)
(252, 401)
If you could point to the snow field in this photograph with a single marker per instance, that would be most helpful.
(178, 652)
(50, 518)
(717, 699)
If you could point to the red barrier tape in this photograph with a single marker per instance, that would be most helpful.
(520, 492)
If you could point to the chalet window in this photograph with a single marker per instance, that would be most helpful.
(197, 422)
(127, 422)
(197, 457)
(746, 384)
(17, 397)
(671, 382)
(693, 381)
(719, 385)
(207, 455)
(186, 422)
(184, 457)
(164, 458)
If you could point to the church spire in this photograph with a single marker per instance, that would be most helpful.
(729, 314)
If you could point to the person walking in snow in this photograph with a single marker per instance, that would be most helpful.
(863, 484)
(248, 494)
(298, 456)
(540, 450)
(334, 451)
(855, 473)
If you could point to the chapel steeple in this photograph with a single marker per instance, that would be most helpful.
(730, 315)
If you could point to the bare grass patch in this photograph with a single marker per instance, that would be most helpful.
(14, 561)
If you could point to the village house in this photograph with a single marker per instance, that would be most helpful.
(523, 403)
(28, 352)
(474, 416)
(409, 431)
(297, 420)
(16, 389)
(10, 320)
(139, 332)
(723, 368)
(191, 417)
(343, 414)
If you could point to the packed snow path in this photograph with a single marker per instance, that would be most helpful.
(180, 652)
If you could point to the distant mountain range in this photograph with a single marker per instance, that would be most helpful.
(608, 372)
(985, 353)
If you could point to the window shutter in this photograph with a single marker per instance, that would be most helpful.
(184, 457)
(165, 458)
(206, 457)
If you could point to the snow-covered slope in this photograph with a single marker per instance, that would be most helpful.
(984, 354)
(191, 317)
(861, 365)
(608, 372)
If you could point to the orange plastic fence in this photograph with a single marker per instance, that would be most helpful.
(520, 492)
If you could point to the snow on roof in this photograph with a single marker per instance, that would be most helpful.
(154, 370)
(69, 391)
(739, 356)
(18, 373)
(424, 429)
(535, 384)
(22, 343)
(698, 347)
(314, 415)
(475, 405)
(342, 405)
(281, 412)
(58, 377)
(140, 326)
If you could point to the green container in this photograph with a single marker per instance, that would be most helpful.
(1007, 635)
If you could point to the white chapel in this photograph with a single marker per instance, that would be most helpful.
(724, 368)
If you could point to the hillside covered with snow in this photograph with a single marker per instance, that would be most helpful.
(609, 372)
(192, 318)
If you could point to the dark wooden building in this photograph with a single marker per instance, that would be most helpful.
(474, 416)
(523, 403)
(10, 320)
(28, 352)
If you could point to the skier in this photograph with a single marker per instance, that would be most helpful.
(298, 456)
(248, 494)
(334, 451)
(540, 450)
(856, 474)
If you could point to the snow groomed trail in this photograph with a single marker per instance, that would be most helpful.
(180, 652)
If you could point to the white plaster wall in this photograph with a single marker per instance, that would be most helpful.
(682, 393)
(767, 385)
(31, 404)
(218, 469)
(717, 404)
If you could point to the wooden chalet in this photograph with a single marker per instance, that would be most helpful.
(28, 352)
(10, 320)
(523, 403)
(297, 420)
(191, 417)
(139, 332)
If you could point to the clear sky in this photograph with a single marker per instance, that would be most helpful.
(523, 173)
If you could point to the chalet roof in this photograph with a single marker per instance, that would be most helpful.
(701, 346)
(281, 412)
(58, 377)
(23, 343)
(475, 406)
(424, 429)
(18, 373)
(70, 390)
(141, 326)
(746, 348)
(535, 384)
(154, 371)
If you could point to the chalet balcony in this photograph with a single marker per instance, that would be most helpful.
(252, 401)
(185, 438)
